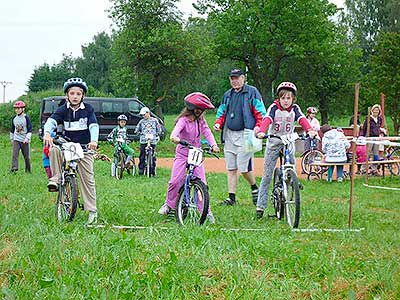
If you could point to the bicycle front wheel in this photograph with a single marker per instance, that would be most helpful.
(67, 199)
(277, 195)
(309, 158)
(132, 170)
(120, 166)
(291, 193)
(395, 168)
(149, 162)
(193, 203)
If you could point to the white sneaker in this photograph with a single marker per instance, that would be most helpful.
(211, 218)
(164, 210)
(92, 217)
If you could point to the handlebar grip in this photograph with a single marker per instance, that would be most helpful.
(184, 143)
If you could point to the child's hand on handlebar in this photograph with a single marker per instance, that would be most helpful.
(92, 145)
(175, 139)
(47, 139)
(312, 133)
(260, 135)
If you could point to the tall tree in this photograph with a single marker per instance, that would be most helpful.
(94, 65)
(262, 34)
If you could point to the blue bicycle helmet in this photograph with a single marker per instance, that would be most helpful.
(75, 81)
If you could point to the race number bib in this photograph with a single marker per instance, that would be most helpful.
(195, 156)
(72, 151)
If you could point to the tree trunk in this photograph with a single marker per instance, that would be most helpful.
(323, 107)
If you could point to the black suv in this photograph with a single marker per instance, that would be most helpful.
(107, 110)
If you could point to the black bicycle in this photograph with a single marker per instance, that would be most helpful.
(68, 190)
(150, 157)
(193, 199)
(118, 166)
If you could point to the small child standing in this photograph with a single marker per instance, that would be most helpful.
(20, 136)
(361, 153)
(120, 132)
(148, 127)
(190, 126)
(280, 119)
(334, 146)
(311, 112)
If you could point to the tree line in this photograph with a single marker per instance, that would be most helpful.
(158, 55)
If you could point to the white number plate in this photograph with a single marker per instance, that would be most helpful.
(72, 151)
(195, 156)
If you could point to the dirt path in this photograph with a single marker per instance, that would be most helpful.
(218, 165)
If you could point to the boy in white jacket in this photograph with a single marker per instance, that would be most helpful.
(334, 146)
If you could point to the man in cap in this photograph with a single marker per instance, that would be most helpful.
(241, 108)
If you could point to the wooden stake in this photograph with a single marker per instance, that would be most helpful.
(353, 150)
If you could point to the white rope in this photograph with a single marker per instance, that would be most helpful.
(328, 230)
(126, 227)
(381, 187)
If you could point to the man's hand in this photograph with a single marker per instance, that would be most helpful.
(92, 145)
(217, 127)
(47, 139)
(215, 149)
(175, 139)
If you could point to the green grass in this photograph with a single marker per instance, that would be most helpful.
(41, 259)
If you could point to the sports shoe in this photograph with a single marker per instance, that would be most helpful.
(164, 210)
(210, 218)
(52, 186)
(254, 195)
(92, 217)
(301, 187)
(259, 213)
(340, 179)
(228, 202)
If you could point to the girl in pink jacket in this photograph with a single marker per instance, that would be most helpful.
(190, 126)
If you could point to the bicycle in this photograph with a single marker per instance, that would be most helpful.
(150, 157)
(118, 166)
(68, 190)
(193, 198)
(392, 153)
(285, 196)
(311, 156)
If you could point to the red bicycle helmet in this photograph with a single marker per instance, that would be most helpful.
(287, 86)
(19, 104)
(198, 100)
(312, 110)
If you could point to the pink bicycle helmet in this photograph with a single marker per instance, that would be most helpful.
(312, 110)
(19, 104)
(287, 86)
(198, 100)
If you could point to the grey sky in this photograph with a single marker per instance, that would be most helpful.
(37, 32)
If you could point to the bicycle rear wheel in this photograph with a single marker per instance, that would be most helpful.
(133, 169)
(193, 204)
(67, 199)
(120, 166)
(149, 163)
(277, 195)
(395, 168)
(291, 194)
(309, 158)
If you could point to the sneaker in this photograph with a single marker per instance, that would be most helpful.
(52, 186)
(254, 195)
(227, 202)
(301, 187)
(210, 218)
(92, 217)
(259, 213)
(164, 210)
(340, 179)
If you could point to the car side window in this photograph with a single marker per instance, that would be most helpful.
(111, 109)
(134, 107)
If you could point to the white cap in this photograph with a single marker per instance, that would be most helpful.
(144, 110)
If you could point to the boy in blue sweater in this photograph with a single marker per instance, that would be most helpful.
(80, 126)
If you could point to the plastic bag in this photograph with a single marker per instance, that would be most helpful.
(251, 143)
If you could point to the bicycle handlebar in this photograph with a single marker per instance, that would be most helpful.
(206, 150)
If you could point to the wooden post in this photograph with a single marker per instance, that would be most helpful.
(368, 148)
(353, 150)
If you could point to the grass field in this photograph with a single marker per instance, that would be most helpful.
(41, 259)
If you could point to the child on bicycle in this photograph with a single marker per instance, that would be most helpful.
(281, 115)
(20, 136)
(334, 146)
(190, 126)
(80, 126)
(120, 132)
(148, 128)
